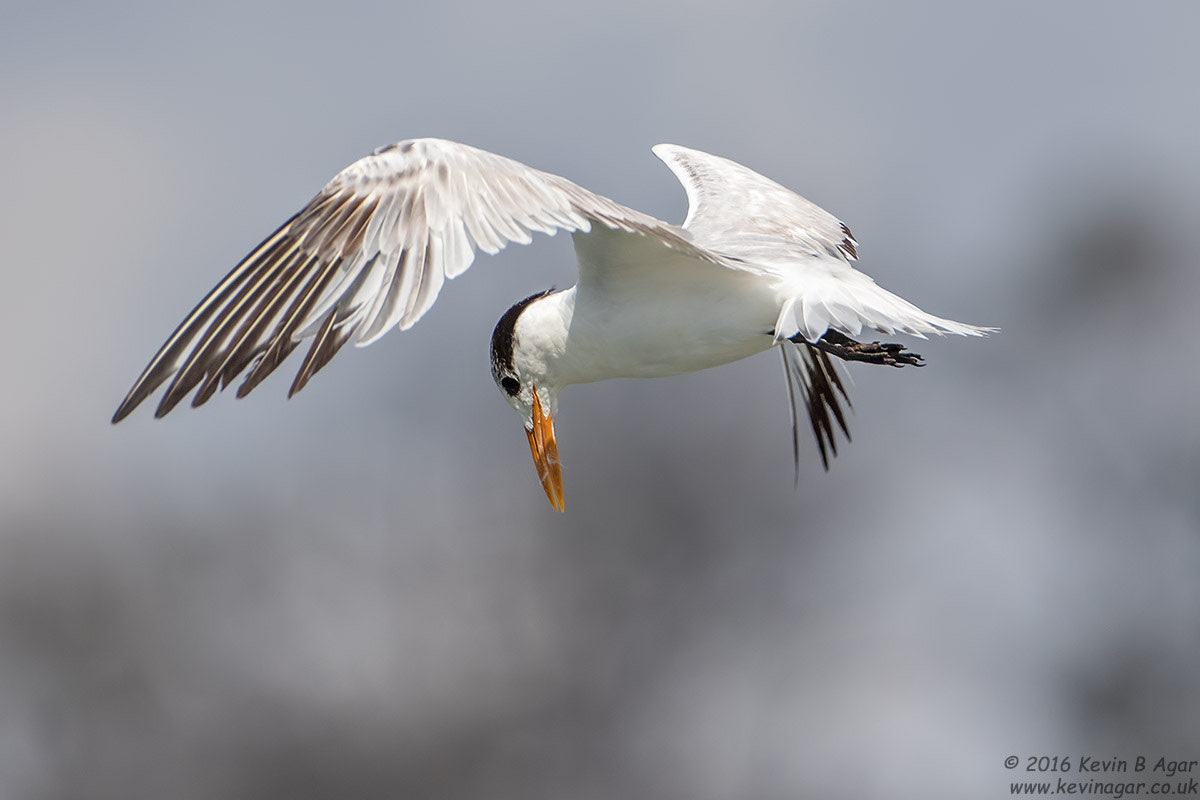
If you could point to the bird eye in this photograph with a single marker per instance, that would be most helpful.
(511, 385)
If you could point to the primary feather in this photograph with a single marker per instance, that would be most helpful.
(369, 253)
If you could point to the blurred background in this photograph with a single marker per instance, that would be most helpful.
(362, 592)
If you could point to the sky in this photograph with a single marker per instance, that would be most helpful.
(363, 592)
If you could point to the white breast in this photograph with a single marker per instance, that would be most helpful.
(651, 312)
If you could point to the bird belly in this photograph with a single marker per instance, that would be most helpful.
(669, 330)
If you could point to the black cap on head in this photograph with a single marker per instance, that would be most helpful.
(502, 338)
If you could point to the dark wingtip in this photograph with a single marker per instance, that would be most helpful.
(272, 357)
(167, 404)
(132, 400)
(324, 347)
(206, 390)
(849, 245)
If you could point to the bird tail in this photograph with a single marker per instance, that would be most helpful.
(812, 377)
(849, 302)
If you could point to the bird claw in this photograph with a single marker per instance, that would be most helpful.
(887, 354)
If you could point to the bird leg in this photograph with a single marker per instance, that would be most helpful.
(837, 344)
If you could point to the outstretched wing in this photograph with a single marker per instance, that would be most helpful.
(368, 253)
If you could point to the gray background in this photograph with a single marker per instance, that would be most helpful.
(363, 593)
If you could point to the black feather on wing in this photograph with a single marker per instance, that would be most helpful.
(811, 375)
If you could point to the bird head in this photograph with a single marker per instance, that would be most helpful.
(521, 367)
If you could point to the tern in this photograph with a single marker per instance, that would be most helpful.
(753, 266)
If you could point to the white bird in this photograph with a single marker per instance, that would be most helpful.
(753, 266)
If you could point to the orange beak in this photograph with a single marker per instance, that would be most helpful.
(545, 454)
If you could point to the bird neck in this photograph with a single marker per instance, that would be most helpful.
(542, 335)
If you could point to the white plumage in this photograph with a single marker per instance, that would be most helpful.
(754, 265)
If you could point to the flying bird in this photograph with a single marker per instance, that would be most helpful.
(753, 266)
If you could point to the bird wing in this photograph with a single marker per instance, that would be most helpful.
(734, 211)
(753, 223)
(368, 253)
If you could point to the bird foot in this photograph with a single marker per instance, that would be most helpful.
(893, 355)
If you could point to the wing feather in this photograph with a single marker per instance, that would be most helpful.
(747, 219)
(738, 212)
(325, 345)
(458, 248)
(370, 252)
